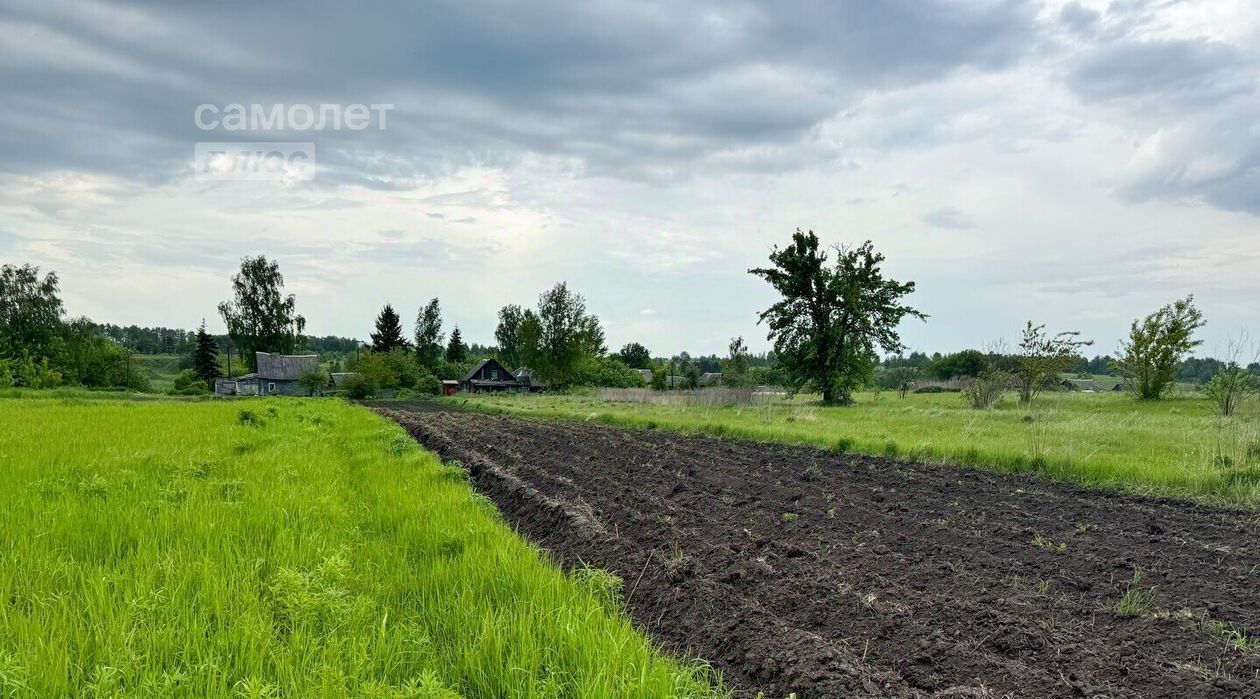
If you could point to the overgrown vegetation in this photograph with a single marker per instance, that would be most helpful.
(297, 548)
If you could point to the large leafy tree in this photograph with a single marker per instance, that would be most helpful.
(389, 333)
(831, 318)
(205, 355)
(508, 335)
(30, 311)
(634, 355)
(560, 336)
(1156, 345)
(260, 317)
(429, 334)
(1042, 357)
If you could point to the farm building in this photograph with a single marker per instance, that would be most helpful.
(277, 375)
(711, 378)
(646, 374)
(1083, 385)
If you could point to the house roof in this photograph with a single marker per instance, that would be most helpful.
(284, 367)
(1082, 384)
(475, 369)
(482, 364)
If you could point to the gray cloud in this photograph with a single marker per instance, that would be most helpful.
(948, 218)
(623, 87)
(1173, 72)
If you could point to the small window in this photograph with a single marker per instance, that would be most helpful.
(494, 374)
(271, 388)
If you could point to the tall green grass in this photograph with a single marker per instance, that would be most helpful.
(1177, 447)
(304, 548)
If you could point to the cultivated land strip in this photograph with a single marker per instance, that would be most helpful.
(798, 570)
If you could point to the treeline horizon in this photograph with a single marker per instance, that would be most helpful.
(935, 365)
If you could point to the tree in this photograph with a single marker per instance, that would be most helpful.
(205, 355)
(429, 335)
(560, 336)
(968, 362)
(30, 311)
(1043, 357)
(735, 366)
(389, 333)
(1156, 345)
(508, 335)
(829, 321)
(313, 379)
(456, 350)
(634, 355)
(260, 318)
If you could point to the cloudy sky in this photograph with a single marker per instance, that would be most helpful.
(1076, 163)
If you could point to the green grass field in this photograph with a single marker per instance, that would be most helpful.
(160, 369)
(1176, 447)
(306, 548)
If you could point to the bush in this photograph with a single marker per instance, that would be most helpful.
(1230, 388)
(987, 389)
(606, 372)
(358, 387)
(429, 384)
(188, 383)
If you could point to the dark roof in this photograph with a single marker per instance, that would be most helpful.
(284, 367)
(482, 363)
(1082, 384)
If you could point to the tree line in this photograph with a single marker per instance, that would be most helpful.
(837, 313)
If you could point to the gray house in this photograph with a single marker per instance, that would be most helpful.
(277, 375)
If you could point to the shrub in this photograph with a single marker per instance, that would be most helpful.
(987, 389)
(358, 387)
(607, 373)
(430, 384)
(1231, 387)
(188, 383)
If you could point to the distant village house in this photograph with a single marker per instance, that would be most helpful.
(277, 375)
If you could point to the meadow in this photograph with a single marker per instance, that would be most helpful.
(1176, 447)
(287, 548)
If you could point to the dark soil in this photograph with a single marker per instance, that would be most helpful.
(797, 570)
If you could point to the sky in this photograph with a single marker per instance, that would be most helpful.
(1077, 164)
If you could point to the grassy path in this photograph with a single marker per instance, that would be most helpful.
(289, 548)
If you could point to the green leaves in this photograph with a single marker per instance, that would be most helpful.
(830, 320)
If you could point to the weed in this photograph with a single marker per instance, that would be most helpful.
(1137, 601)
(790, 517)
(249, 418)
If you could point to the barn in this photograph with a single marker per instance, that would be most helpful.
(277, 375)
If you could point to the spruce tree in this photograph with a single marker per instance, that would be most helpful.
(205, 355)
(456, 351)
(389, 332)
